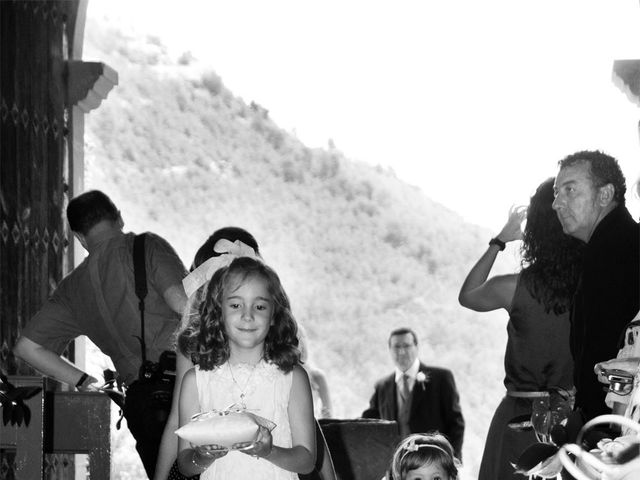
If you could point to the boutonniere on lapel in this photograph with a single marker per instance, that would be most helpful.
(422, 378)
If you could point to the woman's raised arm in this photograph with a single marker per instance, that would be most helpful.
(482, 294)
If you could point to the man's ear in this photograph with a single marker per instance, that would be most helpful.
(82, 239)
(605, 194)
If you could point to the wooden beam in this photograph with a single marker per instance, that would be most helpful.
(88, 83)
(626, 76)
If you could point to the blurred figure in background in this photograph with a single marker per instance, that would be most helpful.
(420, 398)
(537, 359)
(319, 385)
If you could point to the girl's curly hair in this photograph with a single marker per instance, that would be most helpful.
(551, 259)
(204, 340)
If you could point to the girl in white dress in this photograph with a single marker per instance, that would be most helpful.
(246, 354)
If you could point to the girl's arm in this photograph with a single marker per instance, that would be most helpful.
(192, 461)
(482, 295)
(301, 457)
(168, 449)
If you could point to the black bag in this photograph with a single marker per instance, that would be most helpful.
(150, 397)
(146, 407)
(154, 387)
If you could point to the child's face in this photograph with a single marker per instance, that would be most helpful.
(247, 310)
(429, 471)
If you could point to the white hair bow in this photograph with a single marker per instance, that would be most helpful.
(228, 252)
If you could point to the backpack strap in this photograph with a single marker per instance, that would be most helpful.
(140, 275)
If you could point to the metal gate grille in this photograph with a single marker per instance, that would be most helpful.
(33, 178)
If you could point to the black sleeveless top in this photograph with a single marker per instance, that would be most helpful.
(538, 356)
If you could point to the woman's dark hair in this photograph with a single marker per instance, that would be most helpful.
(87, 210)
(208, 345)
(551, 259)
(205, 252)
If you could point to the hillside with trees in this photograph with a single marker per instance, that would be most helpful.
(359, 251)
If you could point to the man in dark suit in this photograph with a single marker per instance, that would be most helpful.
(418, 397)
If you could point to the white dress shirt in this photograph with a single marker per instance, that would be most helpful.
(411, 372)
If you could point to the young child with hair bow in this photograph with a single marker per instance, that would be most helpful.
(424, 456)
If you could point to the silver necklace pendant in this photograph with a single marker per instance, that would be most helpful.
(240, 389)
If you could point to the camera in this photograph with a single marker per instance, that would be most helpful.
(165, 367)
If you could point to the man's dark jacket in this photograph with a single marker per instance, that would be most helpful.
(607, 298)
(435, 405)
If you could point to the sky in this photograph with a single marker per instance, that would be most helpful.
(474, 102)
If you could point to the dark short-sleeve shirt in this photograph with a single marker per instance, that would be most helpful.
(98, 300)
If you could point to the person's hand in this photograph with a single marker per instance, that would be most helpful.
(629, 365)
(513, 228)
(210, 452)
(90, 384)
(261, 447)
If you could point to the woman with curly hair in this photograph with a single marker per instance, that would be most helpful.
(246, 355)
(537, 358)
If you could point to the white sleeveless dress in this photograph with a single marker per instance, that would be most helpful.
(266, 393)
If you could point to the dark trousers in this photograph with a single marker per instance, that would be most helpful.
(146, 408)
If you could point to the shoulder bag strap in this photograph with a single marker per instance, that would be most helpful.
(140, 275)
